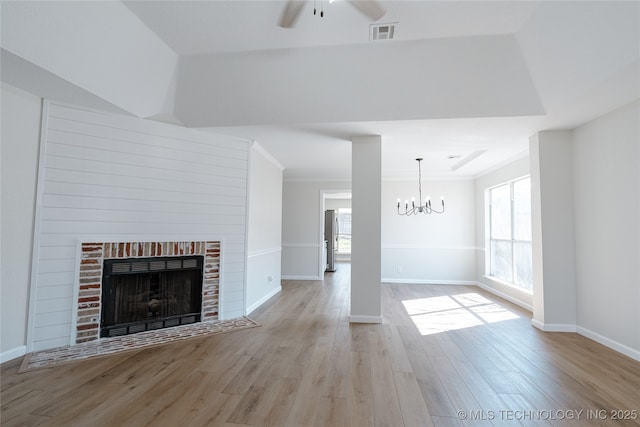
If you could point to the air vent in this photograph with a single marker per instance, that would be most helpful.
(121, 268)
(157, 265)
(139, 266)
(190, 263)
(145, 265)
(379, 32)
(174, 264)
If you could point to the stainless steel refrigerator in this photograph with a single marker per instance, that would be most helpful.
(331, 236)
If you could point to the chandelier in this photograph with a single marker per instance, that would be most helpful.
(420, 208)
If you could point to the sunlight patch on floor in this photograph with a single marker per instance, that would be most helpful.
(452, 312)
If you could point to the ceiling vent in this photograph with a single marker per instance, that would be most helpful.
(382, 31)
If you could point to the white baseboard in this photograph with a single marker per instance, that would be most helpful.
(302, 278)
(365, 319)
(553, 327)
(13, 353)
(620, 348)
(502, 295)
(429, 282)
(537, 324)
(601, 339)
(264, 299)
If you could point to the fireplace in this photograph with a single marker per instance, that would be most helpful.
(141, 294)
(129, 287)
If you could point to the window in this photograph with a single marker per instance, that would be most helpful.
(510, 253)
(344, 230)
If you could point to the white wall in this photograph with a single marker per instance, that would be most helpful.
(115, 178)
(606, 182)
(560, 79)
(516, 169)
(21, 116)
(553, 248)
(302, 242)
(422, 79)
(366, 229)
(428, 248)
(20, 125)
(265, 229)
(101, 47)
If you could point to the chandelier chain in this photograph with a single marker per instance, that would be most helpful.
(419, 182)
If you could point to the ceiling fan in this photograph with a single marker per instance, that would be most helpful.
(370, 8)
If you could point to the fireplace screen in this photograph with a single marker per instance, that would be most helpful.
(140, 294)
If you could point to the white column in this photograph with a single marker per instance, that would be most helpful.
(366, 229)
(554, 284)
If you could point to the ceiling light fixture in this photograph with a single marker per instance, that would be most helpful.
(369, 8)
(321, 8)
(420, 208)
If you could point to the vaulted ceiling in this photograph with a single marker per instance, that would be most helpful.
(463, 84)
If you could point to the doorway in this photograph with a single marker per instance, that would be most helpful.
(337, 238)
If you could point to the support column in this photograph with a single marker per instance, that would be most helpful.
(554, 284)
(366, 229)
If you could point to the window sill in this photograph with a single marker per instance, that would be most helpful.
(510, 285)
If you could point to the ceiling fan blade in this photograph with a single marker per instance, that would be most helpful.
(290, 13)
(371, 8)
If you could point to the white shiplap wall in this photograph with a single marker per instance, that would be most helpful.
(109, 178)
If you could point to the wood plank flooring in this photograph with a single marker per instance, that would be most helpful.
(444, 356)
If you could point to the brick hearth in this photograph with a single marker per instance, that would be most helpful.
(90, 283)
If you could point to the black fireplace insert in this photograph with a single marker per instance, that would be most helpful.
(141, 294)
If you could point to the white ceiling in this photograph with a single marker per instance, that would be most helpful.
(322, 150)
(580, 59)
(205, 27)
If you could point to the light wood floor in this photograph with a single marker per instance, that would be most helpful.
(440, 350)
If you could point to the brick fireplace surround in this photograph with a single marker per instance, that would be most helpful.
(90, 283)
